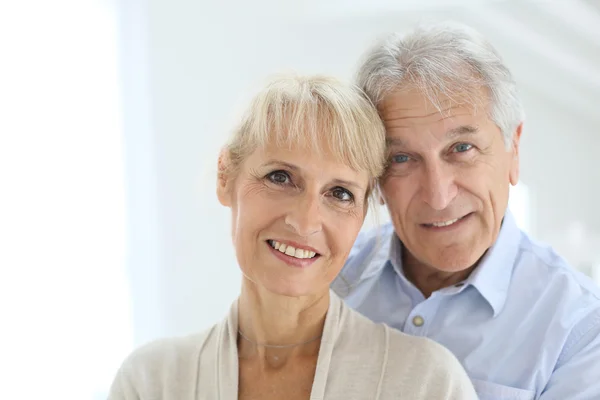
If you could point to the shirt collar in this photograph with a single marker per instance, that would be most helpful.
(492, 276)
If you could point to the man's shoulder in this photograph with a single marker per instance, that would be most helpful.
(563, 305)
(542, 261)
(567, 301)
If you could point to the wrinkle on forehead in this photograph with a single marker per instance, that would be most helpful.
(412, 103)
(396, 119)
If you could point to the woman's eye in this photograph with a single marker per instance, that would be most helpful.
(400, 158)
(462, 147)
(279, 177)
(342, 194)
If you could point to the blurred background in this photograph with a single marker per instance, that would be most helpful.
(112, 114)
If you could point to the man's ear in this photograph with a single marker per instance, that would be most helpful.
(224, 178)
(514, 167)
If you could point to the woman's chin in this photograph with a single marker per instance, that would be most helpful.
(291, 292)
(291, 289)
(288, 286)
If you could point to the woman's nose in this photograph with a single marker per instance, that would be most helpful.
(305, 216)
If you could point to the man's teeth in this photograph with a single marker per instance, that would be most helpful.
(445, 223)
(290, 250)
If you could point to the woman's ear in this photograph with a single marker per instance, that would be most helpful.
(224, 178)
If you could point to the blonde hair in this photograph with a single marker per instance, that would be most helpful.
(310, 111)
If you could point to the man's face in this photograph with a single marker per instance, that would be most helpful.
(447, 183)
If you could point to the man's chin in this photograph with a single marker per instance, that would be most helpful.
(451, 259)
(457, 260)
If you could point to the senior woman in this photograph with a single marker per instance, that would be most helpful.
(297, 176)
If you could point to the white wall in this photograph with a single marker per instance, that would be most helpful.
(64, 299)
(202, 57)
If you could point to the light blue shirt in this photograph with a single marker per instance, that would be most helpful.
(525, 325)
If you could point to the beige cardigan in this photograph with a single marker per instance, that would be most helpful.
(358, 359)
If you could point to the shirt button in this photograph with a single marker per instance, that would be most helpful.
(418, 321)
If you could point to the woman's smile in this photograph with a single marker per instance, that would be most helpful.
(293, 256)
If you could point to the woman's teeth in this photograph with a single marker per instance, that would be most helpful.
(290, 250)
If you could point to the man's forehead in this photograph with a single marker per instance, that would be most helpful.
(402, 137)
(415, 103)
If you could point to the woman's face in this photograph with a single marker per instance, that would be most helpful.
(295, 217)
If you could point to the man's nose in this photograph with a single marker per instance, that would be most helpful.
(437, 186)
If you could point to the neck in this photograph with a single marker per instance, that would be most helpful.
(429, 279)
(266, 318)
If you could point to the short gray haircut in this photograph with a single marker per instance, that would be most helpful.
(447, 58)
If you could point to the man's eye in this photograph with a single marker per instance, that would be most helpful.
(279, 177)
(462, 147)
(400, 158)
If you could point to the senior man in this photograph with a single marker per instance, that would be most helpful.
(453, 265)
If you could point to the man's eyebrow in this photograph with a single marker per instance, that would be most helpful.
(463, 130)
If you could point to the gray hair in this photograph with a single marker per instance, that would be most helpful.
(444, 58)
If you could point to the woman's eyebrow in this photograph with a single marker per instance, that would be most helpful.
(344, 183)
(337, 182)
(273, 163)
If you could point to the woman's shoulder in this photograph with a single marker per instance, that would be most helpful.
(435, 371)
(393, 341)
(410, 364)
(399, 344)
(170, 349)
(150, 367)
(420, 349)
